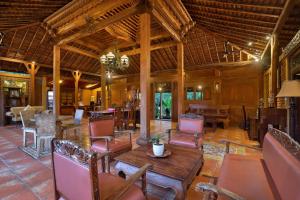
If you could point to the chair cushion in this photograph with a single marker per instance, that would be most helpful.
(114, 146)
(246, 176)
(185, 139)
(107, 182)
(284, 168)
(102, 127)
(191, 125)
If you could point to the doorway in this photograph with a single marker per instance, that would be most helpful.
(163, 102)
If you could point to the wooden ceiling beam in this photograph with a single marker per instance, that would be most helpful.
(93, 10)
(88, 45)
(235, 4)
(234, 28)
(227, 10)
(224, 38)
(42, 65)
(166, 25)
(231, 18)
(287, 9)
(80, 51)
(152, 48)
(238, 35)
(241, 24)
(104, 23)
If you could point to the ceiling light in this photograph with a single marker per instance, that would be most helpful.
(33, 62)
(60, 81)
(268, 37)
(250, 43)
(256, 59)
(200, 87)
(159, 89)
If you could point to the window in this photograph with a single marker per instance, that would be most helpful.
(190, 94)
(199, 95)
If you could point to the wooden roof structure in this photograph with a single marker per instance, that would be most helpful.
(85, 31)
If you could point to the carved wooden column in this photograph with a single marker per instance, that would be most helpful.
(76, 75)
(103, 88)
(32, 70)
(56, 79)
(145, 65)
(274, 64)
(180, 74)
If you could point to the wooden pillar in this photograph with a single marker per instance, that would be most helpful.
(44, 92)
(145, 67)
(180, 74)
(103, 88)
(76, 75)
(274, 65)
(32, 70)
(56, 79)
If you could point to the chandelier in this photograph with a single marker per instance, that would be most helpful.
(113, 61)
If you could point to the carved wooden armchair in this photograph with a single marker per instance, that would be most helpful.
(189, 131)
(76, 176)
(104, 138)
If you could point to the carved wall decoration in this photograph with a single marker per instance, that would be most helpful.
(294, 43)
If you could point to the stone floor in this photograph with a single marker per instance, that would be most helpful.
(22, 177)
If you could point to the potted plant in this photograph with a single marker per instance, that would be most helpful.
(158, 148)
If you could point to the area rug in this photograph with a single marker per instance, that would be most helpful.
(214, 153)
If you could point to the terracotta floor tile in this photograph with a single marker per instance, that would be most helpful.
(10, 187)
(38, 177)
(25, 194)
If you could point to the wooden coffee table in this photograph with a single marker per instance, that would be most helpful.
(176, 171)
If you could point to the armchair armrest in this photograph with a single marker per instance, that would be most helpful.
(120, 133)
(217, 190)
(118, 191)
(169, 131)
(228, 142)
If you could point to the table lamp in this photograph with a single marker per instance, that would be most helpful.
(291, 88)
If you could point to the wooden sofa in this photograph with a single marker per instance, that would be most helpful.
(275, 175)
(212, 113)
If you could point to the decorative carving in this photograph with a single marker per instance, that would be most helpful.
(286, 141)
(291, 46)
(98, 115)
(75, 152)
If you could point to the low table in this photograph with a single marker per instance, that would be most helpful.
(176, 171)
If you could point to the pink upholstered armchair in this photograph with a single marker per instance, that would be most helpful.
(76, 176)
(104, 138)
(189, 131)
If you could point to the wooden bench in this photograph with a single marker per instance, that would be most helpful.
(212, 114)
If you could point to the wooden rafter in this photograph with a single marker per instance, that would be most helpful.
(96, 27)
(42, 65)
(152, 48)
(288, 6)
(242, 5)
(229, 10)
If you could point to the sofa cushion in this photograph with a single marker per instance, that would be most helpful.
(284, 168)
(246, 176)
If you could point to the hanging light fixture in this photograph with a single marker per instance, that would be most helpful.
(112, 61)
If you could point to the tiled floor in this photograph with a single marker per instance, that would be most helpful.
(22, 177)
